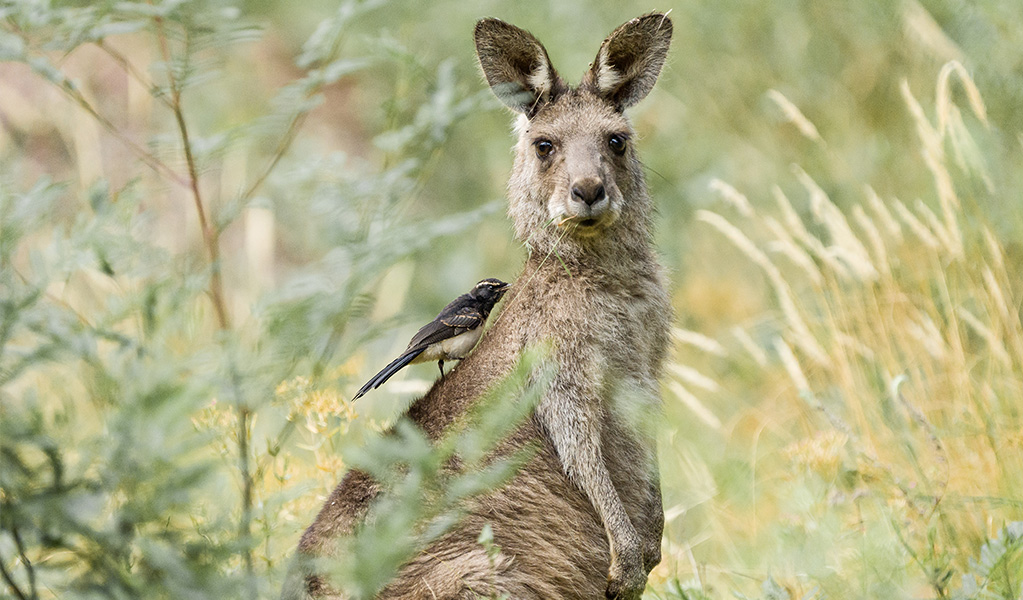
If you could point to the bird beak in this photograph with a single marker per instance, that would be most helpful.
(504, 287)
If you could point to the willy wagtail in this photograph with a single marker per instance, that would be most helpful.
(450, 336)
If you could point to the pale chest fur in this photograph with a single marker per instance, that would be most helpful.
(601, 328)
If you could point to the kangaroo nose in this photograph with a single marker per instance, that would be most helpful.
(589, 190)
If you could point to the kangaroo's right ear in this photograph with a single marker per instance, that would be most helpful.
(516, 66)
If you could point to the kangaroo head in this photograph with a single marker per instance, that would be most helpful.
(577, 182)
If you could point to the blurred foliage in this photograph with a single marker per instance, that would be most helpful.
(425, 496)
(838, 193)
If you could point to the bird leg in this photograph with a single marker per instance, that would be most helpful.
(440, 365)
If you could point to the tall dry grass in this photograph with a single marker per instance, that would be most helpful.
(881, 447)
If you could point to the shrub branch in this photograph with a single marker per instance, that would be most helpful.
(210, 235)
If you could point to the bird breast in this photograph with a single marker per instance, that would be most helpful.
(453, 347)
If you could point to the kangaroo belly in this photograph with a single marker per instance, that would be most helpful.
(548, 543)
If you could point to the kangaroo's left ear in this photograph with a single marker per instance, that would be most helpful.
(630, 60)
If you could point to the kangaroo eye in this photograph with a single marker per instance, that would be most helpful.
(544, 148)
(617, 144)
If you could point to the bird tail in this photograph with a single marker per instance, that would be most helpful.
(385, 373)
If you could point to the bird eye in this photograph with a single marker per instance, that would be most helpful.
(617, 144)
(544, 148)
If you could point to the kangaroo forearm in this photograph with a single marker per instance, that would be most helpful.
(574, 431)
(651, 529)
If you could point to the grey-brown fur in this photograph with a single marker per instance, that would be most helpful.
(583, 518)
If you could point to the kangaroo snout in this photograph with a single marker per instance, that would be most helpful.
(587, 204)
(589, 190)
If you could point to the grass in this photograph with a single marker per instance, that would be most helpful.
(883, 449)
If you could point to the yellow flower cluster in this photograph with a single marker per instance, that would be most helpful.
(317, 405)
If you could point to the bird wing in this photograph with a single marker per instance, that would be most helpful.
(453, 320)
(465, 320)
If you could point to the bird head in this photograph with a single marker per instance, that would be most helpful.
(490, 289)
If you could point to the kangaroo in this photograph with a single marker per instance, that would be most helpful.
(583, 518)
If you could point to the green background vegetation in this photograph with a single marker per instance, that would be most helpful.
(839, 195)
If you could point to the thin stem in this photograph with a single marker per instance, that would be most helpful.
(279, 151)
(150, 160)
(289, 135)
(10, 581)
(29, 569)
(519, 288)
(68, 88)
(210, 235)
(245, 526)
(135, 74)
(211, 238)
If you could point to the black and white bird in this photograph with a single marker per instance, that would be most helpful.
(451, 336)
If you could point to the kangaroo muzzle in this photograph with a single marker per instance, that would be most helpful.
(589, 190)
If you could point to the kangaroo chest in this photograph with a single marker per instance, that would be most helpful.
(619, 328)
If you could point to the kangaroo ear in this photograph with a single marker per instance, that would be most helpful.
(516, 66)
(630, 59)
